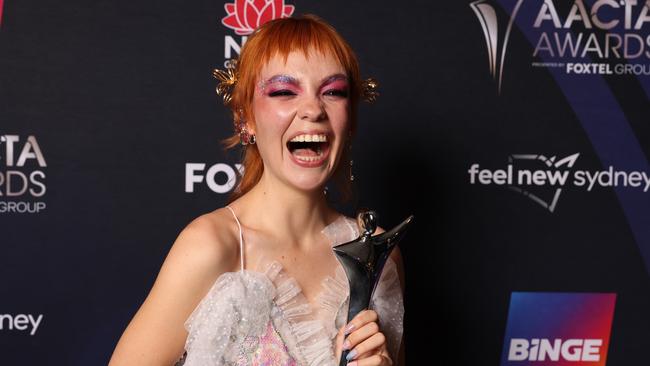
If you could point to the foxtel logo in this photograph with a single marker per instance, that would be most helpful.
(558, 350)
(194, 175)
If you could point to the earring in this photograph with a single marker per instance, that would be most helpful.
(351, 175)
(245, 138)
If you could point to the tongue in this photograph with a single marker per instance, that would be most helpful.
(304, 152)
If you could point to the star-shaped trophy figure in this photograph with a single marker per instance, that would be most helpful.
(363, 260)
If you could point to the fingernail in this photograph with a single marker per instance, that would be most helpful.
(346, 345)
(353, 363)
(349, 328)
(351, 355)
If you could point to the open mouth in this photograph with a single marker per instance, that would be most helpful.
(308, 151)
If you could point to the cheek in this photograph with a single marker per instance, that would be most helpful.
(339, 116)
(271, 117)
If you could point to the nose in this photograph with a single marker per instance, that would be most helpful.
(312, 109)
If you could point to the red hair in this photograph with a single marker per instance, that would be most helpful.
(281, 37)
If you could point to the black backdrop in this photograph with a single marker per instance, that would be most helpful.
(118, 97)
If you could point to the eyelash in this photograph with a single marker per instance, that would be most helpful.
(337, 93)
(331, 92)
(279, 93)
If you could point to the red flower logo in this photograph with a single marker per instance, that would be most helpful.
(244, 16)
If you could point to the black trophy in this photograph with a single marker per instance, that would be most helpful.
(363, 260)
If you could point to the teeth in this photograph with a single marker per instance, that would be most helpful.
(310, 158)
(310, 138)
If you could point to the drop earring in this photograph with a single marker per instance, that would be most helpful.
(245, 138)
(351, 175)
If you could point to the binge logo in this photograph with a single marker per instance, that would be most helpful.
(558, 329)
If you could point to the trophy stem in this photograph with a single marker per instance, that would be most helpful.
(363, 260)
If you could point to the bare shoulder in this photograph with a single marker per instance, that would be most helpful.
(206, 248)
(209, 241)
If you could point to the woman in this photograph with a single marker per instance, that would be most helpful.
(256, 282)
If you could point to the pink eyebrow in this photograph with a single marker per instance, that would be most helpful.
(333, 78)
(279, 79)
(293, 81)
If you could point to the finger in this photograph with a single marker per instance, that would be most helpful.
(340, 337)
(360, 335)
(381, 351)
(373, 344)
(362, 318)
(374, 360)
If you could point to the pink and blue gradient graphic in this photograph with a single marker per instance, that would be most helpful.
(564, 316)
(1, 3)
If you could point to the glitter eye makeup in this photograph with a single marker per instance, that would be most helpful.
(279, 85)
(285, 85)
(336, 85)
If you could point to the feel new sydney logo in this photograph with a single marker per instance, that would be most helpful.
(543, 179)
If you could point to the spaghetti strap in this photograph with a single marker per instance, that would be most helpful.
(241, 239)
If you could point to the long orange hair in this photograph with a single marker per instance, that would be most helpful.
(281, 37)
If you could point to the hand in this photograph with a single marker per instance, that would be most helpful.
(366, 342)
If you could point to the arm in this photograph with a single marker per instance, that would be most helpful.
(156, 335)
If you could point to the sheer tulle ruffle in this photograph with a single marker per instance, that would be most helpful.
(240, 305)
(302, 330)
(237, 306)
(387, 300)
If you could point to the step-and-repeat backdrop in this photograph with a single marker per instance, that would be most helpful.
(516, 131)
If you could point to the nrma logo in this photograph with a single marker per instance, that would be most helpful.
(558, 329)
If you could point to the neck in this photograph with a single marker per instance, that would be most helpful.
(285, 212)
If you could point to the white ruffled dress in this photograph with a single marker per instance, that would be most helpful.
(263, 319)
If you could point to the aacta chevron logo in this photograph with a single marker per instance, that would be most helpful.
(487, 16)
(558, 329)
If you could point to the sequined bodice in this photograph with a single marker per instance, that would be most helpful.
(267, 350)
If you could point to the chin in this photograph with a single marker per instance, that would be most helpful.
(309, 184)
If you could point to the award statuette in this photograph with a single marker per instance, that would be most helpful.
(363, 260)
